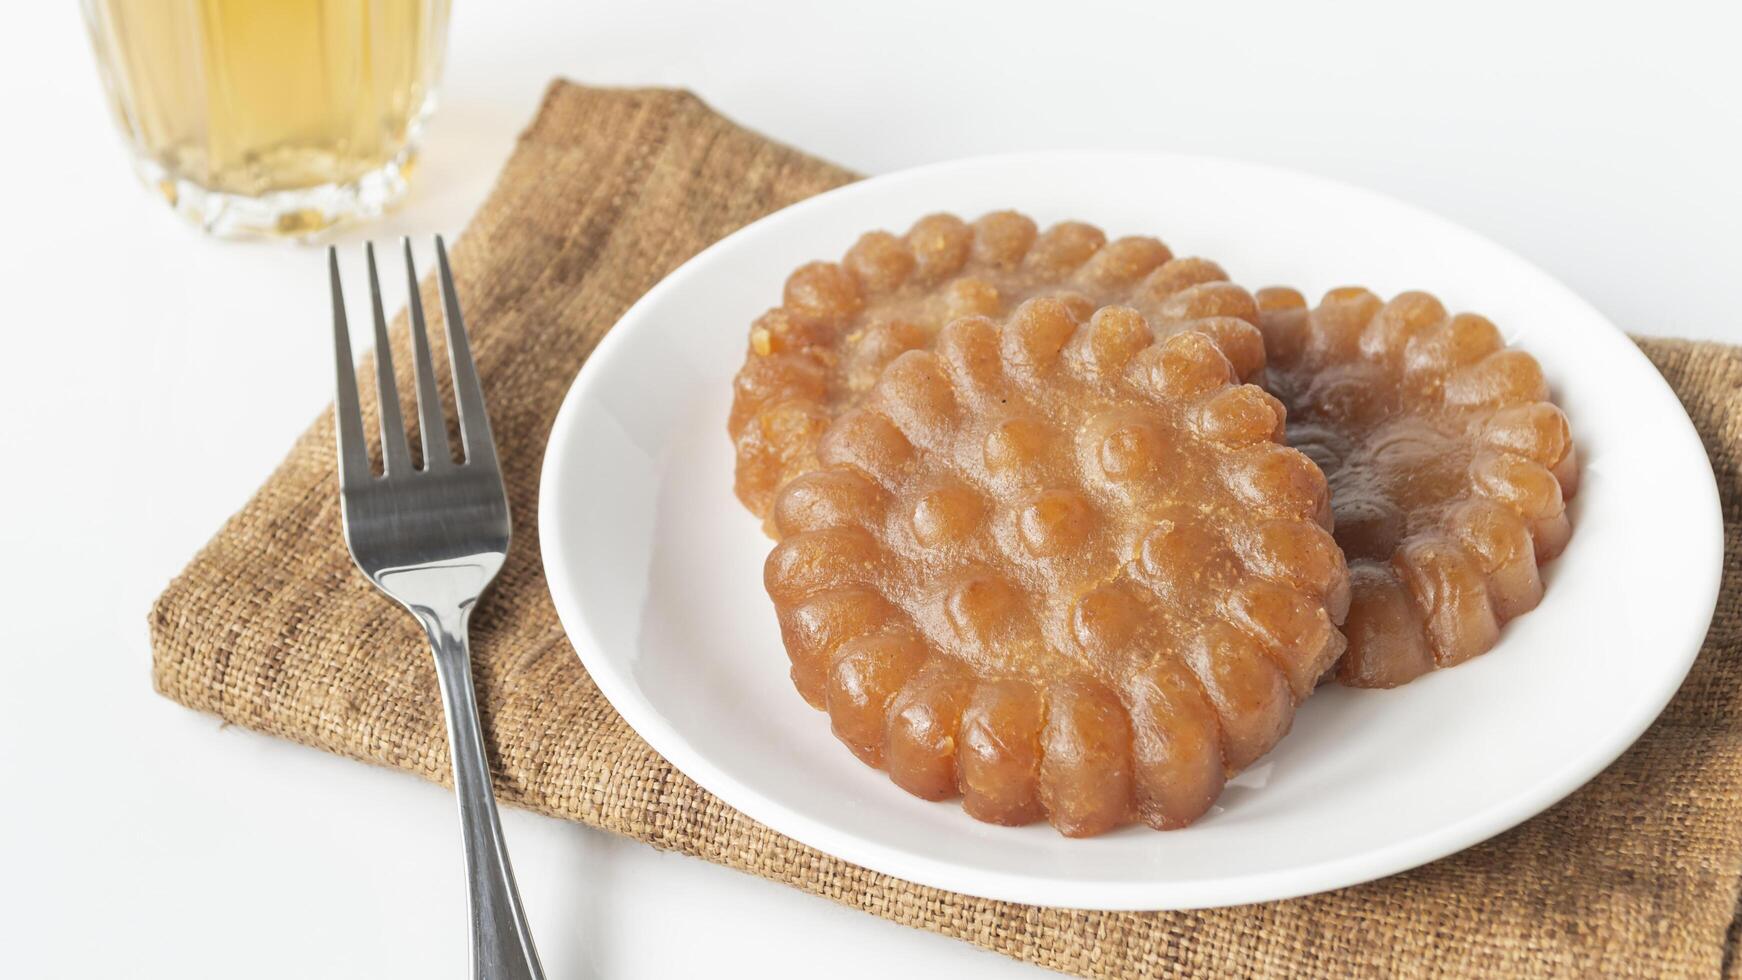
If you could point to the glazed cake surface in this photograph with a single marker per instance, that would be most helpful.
(840, 324)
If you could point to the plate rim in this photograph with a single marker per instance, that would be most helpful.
(1269, 885)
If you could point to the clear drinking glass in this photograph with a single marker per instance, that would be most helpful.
(271, 117)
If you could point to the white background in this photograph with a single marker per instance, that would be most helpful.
(151, 378)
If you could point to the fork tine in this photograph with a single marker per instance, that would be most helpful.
(395, 453)
(347, 413)
(468, 393)
(436, 453)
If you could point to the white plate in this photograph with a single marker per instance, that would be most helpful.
(656, 570)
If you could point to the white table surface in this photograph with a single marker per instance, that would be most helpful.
(151, 378)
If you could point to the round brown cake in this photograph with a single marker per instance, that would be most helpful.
(1058, 562)
(1449, 469)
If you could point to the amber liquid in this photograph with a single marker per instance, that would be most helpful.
(250, 97)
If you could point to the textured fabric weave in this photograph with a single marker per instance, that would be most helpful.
(272, 628)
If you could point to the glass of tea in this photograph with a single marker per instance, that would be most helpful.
(271, 117)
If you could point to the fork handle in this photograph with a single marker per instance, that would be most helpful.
(501, 941)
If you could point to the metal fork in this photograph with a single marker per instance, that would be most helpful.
(433, 539)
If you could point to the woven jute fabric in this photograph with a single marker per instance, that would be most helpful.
(272, 628)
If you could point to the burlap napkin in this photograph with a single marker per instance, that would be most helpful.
(271, 628)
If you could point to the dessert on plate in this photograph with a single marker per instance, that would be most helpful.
(1057, 561)
(1043, 546)
(1449, 469)
(840, 323)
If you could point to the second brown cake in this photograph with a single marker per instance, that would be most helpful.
(1449, 469)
